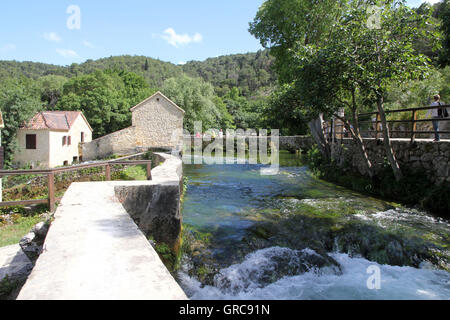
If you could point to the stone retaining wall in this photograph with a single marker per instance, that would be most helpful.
(121, 143)
(155, 208)
(431, 157)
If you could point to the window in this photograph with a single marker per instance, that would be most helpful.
(64, 141)
(82, 137)
(69, 140)
(31, 141)
(75, 159)
(66, 163)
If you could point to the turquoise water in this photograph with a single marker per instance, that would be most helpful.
(228, 202)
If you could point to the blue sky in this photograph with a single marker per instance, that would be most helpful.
(178, 31)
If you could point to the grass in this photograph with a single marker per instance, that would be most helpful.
(12, 233)
(132, 173)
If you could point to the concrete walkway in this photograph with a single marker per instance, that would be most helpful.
(94, 250)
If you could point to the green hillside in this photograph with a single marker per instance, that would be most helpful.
(250, 72)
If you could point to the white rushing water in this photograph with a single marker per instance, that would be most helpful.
(243, 281)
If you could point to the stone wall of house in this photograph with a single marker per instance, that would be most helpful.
(38, 157)
(428, 156)
(158, 123)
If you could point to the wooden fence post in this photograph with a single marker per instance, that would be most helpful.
(51, 191)
(414, 126)
(108, 172)
(149, 170)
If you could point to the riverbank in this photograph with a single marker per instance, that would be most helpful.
(414, 190)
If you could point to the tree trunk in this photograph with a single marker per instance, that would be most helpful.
(316, 129)
(359, 143)
(387, 141)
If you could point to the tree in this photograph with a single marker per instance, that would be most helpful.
(196, 97)
(19, 101)
(354, 58)
(285, 111)
(51, 88)
(385, 55)
(444, 58)
(105, 98)
(283, 25)
(326, 84)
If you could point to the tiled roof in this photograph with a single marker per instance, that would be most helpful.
(52, 120)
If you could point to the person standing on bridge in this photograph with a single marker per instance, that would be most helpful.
(437, 114)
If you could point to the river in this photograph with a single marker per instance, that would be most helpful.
(292, 236)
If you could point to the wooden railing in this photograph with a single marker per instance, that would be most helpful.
(51, 200)
(375, 125)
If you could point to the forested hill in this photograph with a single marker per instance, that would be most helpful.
(250, 72)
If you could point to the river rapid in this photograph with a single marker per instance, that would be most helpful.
(291, 236)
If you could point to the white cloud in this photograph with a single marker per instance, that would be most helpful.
(67, 53)
(182, 63)
(432, 1)
(8, 47)
(88, 44)
(177, 40)
(51, 36)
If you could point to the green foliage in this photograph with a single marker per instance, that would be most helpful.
(51, 88)
(247, 114)
(19, 101)
(12, 233)
(444, 58)
(105, 98)
(283, 25)
(152, 70)
(7, 286)
(285, 111)
(131, 173)
(197, 98)
(416, 93)
(251, 73)
(170, 259)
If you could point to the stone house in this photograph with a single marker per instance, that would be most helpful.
(157, 122)
(52, 138)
